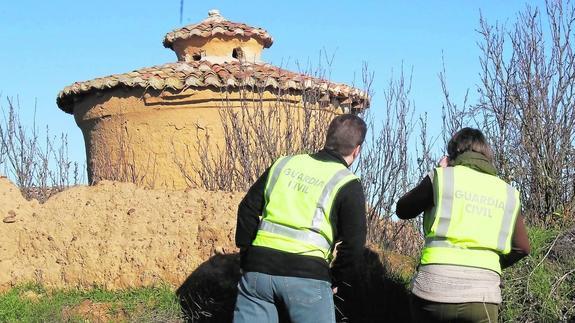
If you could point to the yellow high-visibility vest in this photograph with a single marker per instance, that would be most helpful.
(472, 221)
(299, 195)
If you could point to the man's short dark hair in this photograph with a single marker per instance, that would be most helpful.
(345, 132)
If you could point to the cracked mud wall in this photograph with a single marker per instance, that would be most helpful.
(113, 235)
(140, 136)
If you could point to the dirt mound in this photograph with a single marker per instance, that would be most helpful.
(91, 312)
(113, 235)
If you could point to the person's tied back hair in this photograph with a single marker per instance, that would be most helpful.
(345, 132)
(468, 139)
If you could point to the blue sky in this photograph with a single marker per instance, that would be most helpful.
(47, 45)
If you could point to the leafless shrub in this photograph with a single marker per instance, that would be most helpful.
(526, 106)
(421, 164)
(29, 162)
(268, 130)
(385, 168)
(453, 116)
(259, 125)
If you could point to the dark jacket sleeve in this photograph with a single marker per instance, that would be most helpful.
(349, 215)
(519, 244)
(414, 202)
(249, 212)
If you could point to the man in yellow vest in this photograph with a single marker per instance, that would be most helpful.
(288, 224)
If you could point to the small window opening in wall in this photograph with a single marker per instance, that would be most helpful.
(238, 53)
(197, 56)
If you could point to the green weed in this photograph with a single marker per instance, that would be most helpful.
(539, 288)
(34, 303)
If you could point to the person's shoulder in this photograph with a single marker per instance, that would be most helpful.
(353, 186)
(433, 172)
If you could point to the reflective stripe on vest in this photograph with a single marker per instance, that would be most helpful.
(310, 237)
(277, 171)
(445, 215)
(320, 209)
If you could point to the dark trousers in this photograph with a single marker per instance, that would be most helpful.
(424, 311)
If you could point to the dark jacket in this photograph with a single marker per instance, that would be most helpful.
(420, 199)
(349, 227)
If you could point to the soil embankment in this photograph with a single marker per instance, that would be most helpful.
(112, 235)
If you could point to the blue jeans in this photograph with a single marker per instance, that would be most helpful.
(304, 299)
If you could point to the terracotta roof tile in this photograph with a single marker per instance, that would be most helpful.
(216, 25)
(183, 75)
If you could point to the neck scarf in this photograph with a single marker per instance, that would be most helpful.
(475, 161)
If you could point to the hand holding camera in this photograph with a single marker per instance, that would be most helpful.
(443, 162)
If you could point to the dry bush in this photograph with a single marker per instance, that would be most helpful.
(387, 170)
(526, 107)
(453, 116)
(259, 125)
(40, 167)
(256, 131)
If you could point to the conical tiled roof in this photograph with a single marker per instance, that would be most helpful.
(183, 75)
(216, 25)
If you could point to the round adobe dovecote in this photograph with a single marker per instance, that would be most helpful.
(134, 123)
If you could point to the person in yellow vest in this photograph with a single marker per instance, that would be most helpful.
(288, 224)
(473, 228)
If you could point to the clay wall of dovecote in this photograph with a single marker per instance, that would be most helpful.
(146, 136)
(198, 48)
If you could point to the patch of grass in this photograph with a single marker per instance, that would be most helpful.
(539, 288)
(399, 268)
(34, 303)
